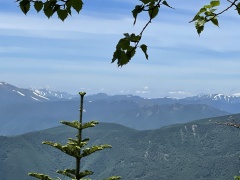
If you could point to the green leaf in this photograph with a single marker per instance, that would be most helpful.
(62, 14)
(69, 149)
(123, 59)
(93, 149)
(25, 6)
(116, 55)
(166, 4)
(238, 8)
(47, 9)
(40, 176)
(134, 38)
(201, 21)
(209, 13)
(196, 17)
(214, 3)
(130, 52)
(199, 29)
(124, 44)
(144, 49)
(77, 5)
(56, 8)
(85, 173)
(215, 21)
(113, 178)
(208, 6)
(213, 10)
(200, 24)
(89, 124)
(50, 4)
(127, 35)
(146, 1)
(138, 9)
(74, 124)
(153, 12)
(202, 10)
(67, 172)
(38, 5)
(68, 7)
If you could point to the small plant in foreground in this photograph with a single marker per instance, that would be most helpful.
(75, 148)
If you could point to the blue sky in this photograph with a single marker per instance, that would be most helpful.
(75, 55)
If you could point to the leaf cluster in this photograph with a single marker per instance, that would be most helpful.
(206, 14)
(62, 8)
(126, 47)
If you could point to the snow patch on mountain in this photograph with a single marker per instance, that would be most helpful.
(40, 95)
(19, 92)
(236, 94)
(35, 98)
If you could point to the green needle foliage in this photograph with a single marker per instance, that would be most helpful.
(76, 149)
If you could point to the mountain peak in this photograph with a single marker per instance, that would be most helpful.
(215, 97)
(54, 94)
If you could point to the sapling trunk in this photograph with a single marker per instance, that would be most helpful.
(78, 160)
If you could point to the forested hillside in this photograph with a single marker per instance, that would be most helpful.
(197, 150)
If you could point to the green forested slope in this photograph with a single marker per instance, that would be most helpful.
(198, 150)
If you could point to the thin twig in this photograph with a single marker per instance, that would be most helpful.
(232, 3)
(150, 20)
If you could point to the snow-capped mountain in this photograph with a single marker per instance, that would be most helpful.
(54, 94)
(215, 97)
(10, 93)
(13, 94)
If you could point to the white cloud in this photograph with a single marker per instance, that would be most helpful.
(34, 26)
(141, 92)
(179, 92)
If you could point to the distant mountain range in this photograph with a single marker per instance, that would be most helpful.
(199, 150)
(12, 94)
(26, 110)
(42, 95)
